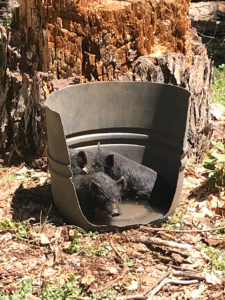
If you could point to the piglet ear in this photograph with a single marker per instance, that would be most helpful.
(94, 186)
(82, 156)
(121, 182)
(110, 160)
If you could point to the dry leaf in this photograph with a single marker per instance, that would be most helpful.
(48, 272)
(42, 238)
(195, 294)
(87, 279)
(111, 270)
(212, 278)
(22, 171)
(32, 297)
(132, 286)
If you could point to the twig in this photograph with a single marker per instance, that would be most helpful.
(171, 281)
(26, 241)
(75, 227)
(189, 274)
(21, 280)
(160, 242)
(148, 290)
(117, 252)
(79, 229)
(158, 288)
(46, 218)
(121, 276)
(181, 231)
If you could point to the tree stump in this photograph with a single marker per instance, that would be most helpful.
(53, 43)
(209, 19)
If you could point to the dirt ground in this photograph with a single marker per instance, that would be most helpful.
(182, 257)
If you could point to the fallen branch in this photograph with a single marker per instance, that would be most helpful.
(170, 281)
(26, 241)
(189, 274)
(160, 242)
(152, 229)
(148, 290)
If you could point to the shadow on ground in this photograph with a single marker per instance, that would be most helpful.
(202, 192)
(35, 204)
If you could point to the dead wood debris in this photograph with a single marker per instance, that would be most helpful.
(170, 281)
(153, 229)
(160, 242)
(121, 277)
(142, 263)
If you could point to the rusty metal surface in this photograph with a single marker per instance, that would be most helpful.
(144, 121)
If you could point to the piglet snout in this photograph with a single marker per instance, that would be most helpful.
(114, 209)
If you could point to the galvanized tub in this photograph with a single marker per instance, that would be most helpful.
(146, 122)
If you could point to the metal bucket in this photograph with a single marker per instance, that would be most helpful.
(146, 122)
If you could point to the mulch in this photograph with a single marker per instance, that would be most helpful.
(165, 260)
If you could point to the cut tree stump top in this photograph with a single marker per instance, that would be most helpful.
(99, 38)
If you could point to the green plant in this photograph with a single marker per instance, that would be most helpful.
(129, 263)
(93, 235)
(175, 221)
(215, 164)
(21, 292)
(101, 251)
(217, 260)
(12, 177)
(105, 295)
(26, 287)
(52, 292)
(76, 245)
(5, 258)
(119, 248)
(218, 88)
(16, 227)
(104, 250)
(69, 291)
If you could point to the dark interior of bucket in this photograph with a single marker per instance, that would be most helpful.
(143, 121)
(134, 144)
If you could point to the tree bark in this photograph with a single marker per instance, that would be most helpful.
(209, 18)
(51, 44)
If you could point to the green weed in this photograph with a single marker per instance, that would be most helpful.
(218, 88)
(16, 227)
(175, 221)
(5, 258)
(216, 258)
(215, 164)
(129, 263)
(69, 291)
(12, 178)
(105, 295)
(76, 245)
(21, 292)
(93, 235)
(101, 251)
(26, 287)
